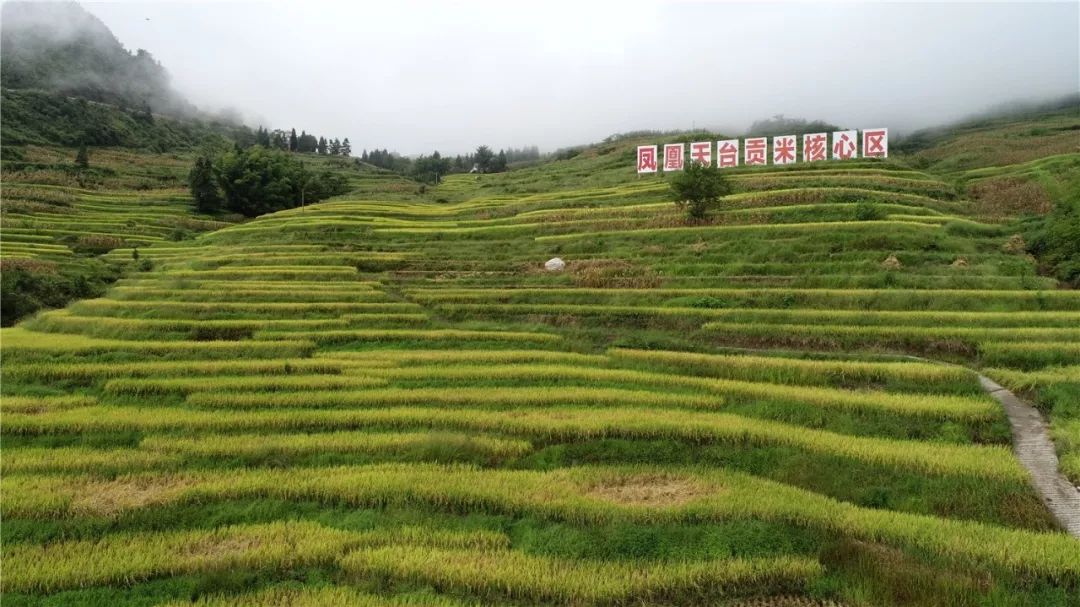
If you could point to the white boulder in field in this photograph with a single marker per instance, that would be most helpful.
(554, 264)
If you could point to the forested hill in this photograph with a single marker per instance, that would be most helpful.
(68, 81)
(59, 47)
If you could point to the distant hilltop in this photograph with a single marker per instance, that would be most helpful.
(59, 47)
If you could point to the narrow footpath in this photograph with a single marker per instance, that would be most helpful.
(1035, 450)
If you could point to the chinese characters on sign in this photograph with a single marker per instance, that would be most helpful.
(673, 156)
(814, 146)
(646, 159)
(727, 153)
(783, 149)
(843, 145)
(875, 143)
(755, 150)
(701, 152)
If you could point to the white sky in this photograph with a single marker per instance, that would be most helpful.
(415, 76)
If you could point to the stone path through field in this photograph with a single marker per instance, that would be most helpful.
(1033, 447)
(1036, 452)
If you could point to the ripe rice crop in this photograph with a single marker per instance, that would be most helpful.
(551, 423)
(521, 576)
(37, 404)
(871, 299)
(934, 405)
(780, 370)
(22, 344)
(45, 372)
(242, 383)
(82, 459)
(492, 397)
(317, 596)
(449, 357)
(127, 557)
(891, 335)
(1030, 355)
(261, 445)
(390, 335)
(585, 495)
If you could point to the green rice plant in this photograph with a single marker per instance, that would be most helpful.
(265, 445)
(862, 299)
(126, 557)
(959, 340)
(471, 396)
(39, 404)
(297, 295)
(49, 371)
(391, 335)
(25, 460)
(146, 309)
(451, 357)
(62, 321)
(1029, 380)
(1029, 355)
(1019, 334)
(932, 405)
(240, 383)
(813, 227)
(583, 494)
(780, 370)
(551, 423)
(317, 596)
(519, 576)
(22, 343)
(1024, 320)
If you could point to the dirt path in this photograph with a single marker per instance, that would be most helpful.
(1031, 443)
(1035, 450)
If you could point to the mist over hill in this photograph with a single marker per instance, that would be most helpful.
(60, 47)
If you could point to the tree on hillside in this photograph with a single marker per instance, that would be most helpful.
(278, 140)
(483, 158)
(82, 157)
(204, 186)
(322, 145)
(335, 147)
(346, 147)
(307, 143)
(293, 143)
(698, 187)
(257, 180)
(498, 165)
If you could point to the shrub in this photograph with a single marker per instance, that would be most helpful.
(697, 188)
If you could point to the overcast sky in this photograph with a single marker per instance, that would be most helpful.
(417, 76)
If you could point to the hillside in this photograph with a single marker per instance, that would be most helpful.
(385, 399)
(59, 47)
(59, 220)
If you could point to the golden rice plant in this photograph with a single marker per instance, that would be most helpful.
(515, 575)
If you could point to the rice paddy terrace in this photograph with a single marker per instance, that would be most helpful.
(386, 400)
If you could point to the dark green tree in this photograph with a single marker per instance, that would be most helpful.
(204, 186)
(498, 165)
(346, 147)
(335, 147)
(322, 145)
(483, 158)
(293, 143)
(697, 188)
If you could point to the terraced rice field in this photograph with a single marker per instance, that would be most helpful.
(385, 400)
